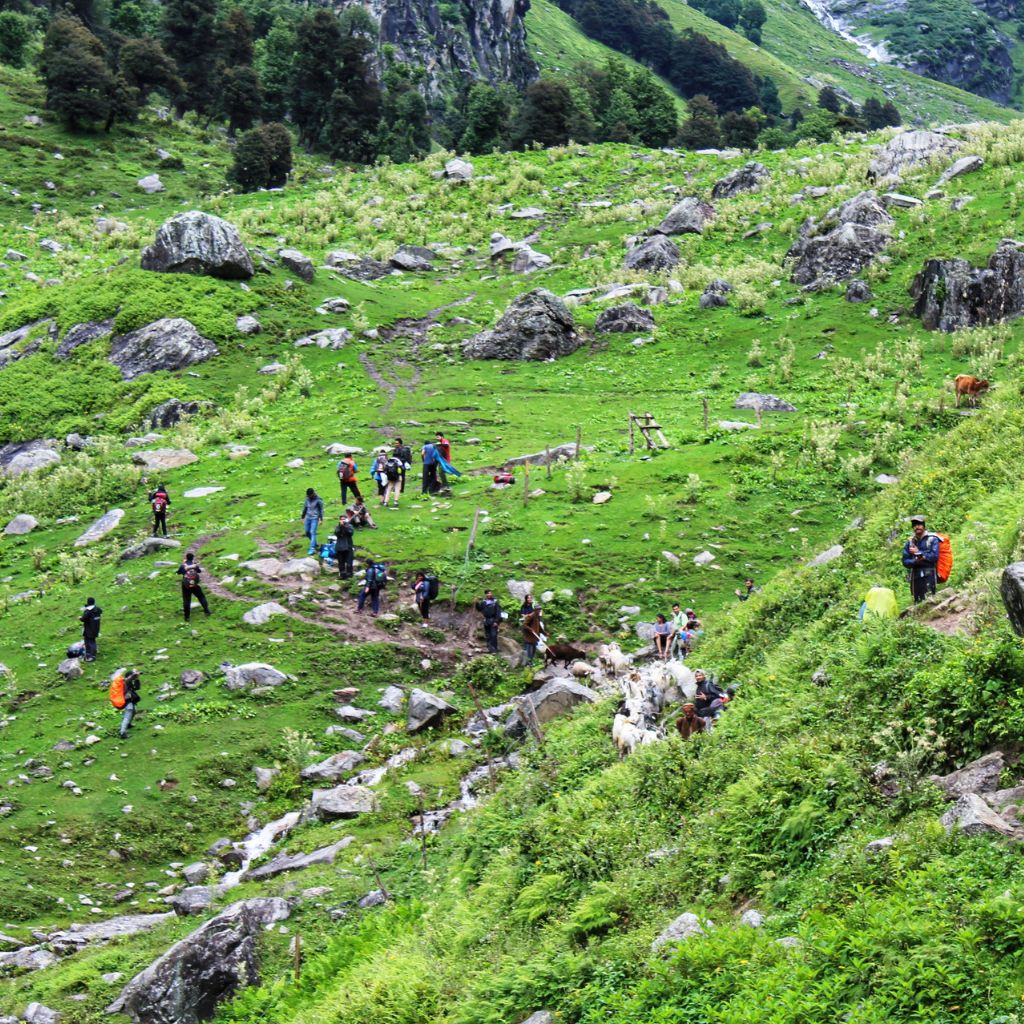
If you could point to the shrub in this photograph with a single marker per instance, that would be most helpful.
(263, 158)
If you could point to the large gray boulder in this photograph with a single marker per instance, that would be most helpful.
(715, 295)
(537, 325)
(847, 239)
(284, 862)
(624, 319)
(685, 926)
(185, 984)
(252, 674)
(149, 546)
(170, 413)
(192, 901)
(82, 334)
(965, 165)
(425, 709)
(159, 459)
(748, 178)
(20, 525)
(1011, 588)
(688, 217)
(332, 768)
(169, 344)
(908, 150)
(553, 699)
(198, 243)
(972, 816)
(766, 403)
(656, 254)
(37, 1013)
(101, 527)
(28, 958)
(28, 457)
(342, 802)
(298, 263)
(981, 776)
(950, 294)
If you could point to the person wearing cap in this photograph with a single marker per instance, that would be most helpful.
(90, 619)
(921, 558)
(690, 723)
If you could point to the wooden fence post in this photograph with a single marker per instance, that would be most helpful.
(547, 456)
(526, 483)
(630, 433)
(579, 437)
(705, 403)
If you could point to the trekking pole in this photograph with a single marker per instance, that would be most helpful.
(487, 726)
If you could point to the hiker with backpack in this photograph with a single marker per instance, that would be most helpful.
(189, 571)
(375, 581)
(921, 556)
(426, 588)
(344, 546)
(490, 609)
(403, 453)
(444, 452)
(533, 630)
(429, 456)
(312, 517)
(347, 470)
(379, 472)
(392, 481)
(124, 696)
(159, 501)
(90, 620)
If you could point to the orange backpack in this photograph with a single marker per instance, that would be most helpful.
(116, 692)
(944, 566)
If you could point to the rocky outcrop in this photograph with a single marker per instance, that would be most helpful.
(685, 926)
(965, 165)
(164, 458)
(185, 984)
(358, 268)
(656, 254)
(198, 243)
(261, 614)
(170, 413)
(168, 344)
(332, 768)
(624, 319)
(537, 325)
(908, 150)
(858, 291)
(297, 263)
(950, 294)
(101, 527)
(715, 294)
(285, 862)
(688, 217)
(425, 709)
(82, 334)
(552, 700)
(342, 802)
(981, 776)
(149, 546)
(1011, 589)
(845, 242)
(28, 457)
(972, 816)
(252, 674)
(748, 178)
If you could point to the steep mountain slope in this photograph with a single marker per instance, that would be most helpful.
(547, 897)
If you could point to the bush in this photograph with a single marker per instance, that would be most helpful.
(263, 158)
(15, 31)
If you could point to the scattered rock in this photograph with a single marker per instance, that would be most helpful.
(169, 344)
(262, 613)
(20, 525)
(965, 165)
(527, 260)
(332, 768)
(284, 862)
(336, 304)
(908, 150)
(536, 325)
(901, 201)
(1011, 588)
(149, 546)
(30, 958)
(858, 291)
(392, 699)
(37, 1013)
(191, 901)
(164, 458)
(624, 319)
(198, 243)
(752, 918)
(879, 846)
(980, 776)
(70, 668)
(173, 411)
(458, 170)
(265, 777)
(656, 254)
(553, 699)
(950, 294)
(689, 216)
(27, 457)
(412, 258)
(748, 178)
(704, 558)
(82, 334)
(332, 338)
(349, 713)
(425, 709)
(303, 568)
(197, 873)
(519, 589)
(151, 183)
(736, 425)
(357, 268)
(887, 479)
(248, 325)
(602, 497)
(829, 555)
(342, 802)
(101, 527)
(715, 294)
(298, 264)
(252, 674)
(685, 926)
(766, 403)
(528, 213)
(973, 816)
(185, 984)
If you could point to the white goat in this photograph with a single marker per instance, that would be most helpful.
(633, 687)
(611, 655)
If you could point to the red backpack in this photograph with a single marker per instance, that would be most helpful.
(159, 501)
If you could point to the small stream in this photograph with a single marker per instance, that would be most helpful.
(864, 43)
(432, 820)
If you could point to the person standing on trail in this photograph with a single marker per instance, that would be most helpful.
(921, 558)
(132, 699)
(533, 628)
(189, 571)
(403, 453)
(490, 609)
(90, 620)
(373, 583)
(392, 481)
(159, 501)
(347, 470)
(312, 517)
(429, 457)
(344, 546)
(379, 472)
(444, 450)
(421, 590)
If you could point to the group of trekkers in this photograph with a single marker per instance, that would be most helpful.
(675, 637)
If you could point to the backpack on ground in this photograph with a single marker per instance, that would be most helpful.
(377, 575)
(944, 566)
(116, 692)
(191, 575)
(159, 501)
(328, 550)
(404, 454)
(393, 470)
(433, 585)
(77, 649)
(504, 478)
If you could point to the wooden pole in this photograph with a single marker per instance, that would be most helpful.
(630, 433)
(705, 402)
(423, 832)
(472, 534)
(547, 456)
(487, 726)
(526, 484)
(579, 437)
(376, 875)
(297, 952)
(757, 410)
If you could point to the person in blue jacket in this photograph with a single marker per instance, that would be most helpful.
(921, 558)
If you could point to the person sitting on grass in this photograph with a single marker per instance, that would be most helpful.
(662, 637)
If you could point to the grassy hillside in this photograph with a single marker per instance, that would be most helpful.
(550, 894)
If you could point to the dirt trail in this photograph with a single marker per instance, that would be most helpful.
(337, 614)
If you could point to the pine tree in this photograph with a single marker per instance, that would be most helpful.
(74, 68)
(353, 123)
(657, 122)
(828, 99)
(545, 114)
(405, 122)
(620, 118)
(274, 60)
(146, 67)
(874, 117)
(236, 39)
(241, 98)
(891, 114)
(189, 32)
(486, 120)
(700, 130)
(315, 74)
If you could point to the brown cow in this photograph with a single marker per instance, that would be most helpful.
(969, 386)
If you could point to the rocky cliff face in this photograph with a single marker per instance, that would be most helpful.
(453, 40)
